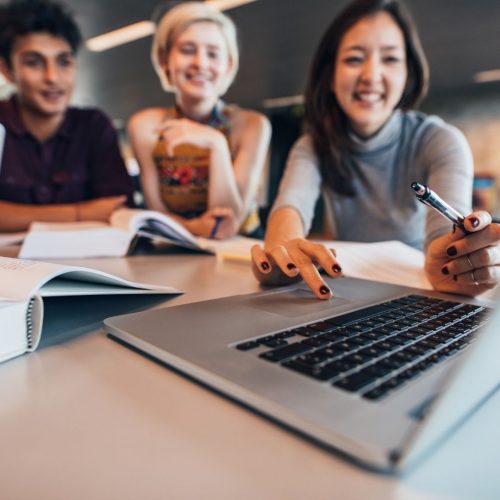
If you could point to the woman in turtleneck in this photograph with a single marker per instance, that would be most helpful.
(201, 160)
(363, 148)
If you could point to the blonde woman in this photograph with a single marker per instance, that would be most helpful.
(201, 160)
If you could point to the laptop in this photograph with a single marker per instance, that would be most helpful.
(381, 373)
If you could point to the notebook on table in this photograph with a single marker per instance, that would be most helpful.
(380, 372)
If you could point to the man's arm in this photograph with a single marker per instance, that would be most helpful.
(18, 216)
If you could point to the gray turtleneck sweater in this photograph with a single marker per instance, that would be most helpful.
(410, 147)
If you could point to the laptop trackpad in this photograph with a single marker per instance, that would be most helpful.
(296, 302)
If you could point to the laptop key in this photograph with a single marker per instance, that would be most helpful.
(318, 373)
(376, 393)
(354, 382)
(246, 346)
(288, 351)
(276, 342)
(358, 315)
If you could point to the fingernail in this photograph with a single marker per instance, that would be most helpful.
(324, 290)
(455, 277)
(291, 266)
(337, 268)
(454, 228)
(445, 270)
(452, 251)
(474, 221)
(264, 266)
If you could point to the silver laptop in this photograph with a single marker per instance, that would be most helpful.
(380, 372)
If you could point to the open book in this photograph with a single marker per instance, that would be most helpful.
(36, 296)
(97, 239)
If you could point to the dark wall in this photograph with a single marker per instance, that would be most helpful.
(278, 38)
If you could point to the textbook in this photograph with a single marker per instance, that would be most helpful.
(59, 240)
(40, 296)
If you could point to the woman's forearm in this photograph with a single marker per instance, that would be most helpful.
(283, 225)
(223, 189)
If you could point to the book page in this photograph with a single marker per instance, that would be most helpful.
(74, 240)
(387, 261)
(75, 283)
(21, 279)
(154, 225)
(12, 238)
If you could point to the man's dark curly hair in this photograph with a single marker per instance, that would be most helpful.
(23, 17)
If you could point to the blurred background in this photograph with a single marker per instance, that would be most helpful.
(278, 37)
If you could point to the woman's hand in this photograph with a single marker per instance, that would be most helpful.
(467, 264)
(184, 131)
(284, 264)
(217, 223)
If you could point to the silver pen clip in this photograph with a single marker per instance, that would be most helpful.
(427, 196)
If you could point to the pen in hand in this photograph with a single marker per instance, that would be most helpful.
(428, 197)
(215, 228)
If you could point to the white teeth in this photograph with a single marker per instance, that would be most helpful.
(369, 97)
(197, 77)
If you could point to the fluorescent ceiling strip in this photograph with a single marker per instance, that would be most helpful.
(227, 4)
(492, 75)
(281, 102)
(145, 28)
(121, 36)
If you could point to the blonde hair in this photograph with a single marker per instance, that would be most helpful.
(178, 19)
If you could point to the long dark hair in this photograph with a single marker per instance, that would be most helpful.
(326, 123)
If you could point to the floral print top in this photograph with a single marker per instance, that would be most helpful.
(184, 176)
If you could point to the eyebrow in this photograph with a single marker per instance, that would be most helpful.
(209, 45)
(362, 48)
(34, 53)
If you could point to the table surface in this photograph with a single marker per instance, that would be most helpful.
(88, 418)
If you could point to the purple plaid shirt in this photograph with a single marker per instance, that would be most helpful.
(81, 161)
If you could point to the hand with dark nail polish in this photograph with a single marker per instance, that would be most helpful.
(291, 266)
(336, 268)
(474, 221)
(324, 290)
(452, 251)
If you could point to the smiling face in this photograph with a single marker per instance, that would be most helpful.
(198, 64)
(43, 68)
(370, 72)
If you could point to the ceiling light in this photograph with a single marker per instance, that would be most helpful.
(491, 75)
(121, 36)
(145, 28)
(227, 4)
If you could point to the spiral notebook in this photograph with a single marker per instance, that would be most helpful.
(40, 298)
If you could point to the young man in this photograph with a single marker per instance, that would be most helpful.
(59, 163)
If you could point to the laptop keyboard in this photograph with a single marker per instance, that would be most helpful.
(375, 350)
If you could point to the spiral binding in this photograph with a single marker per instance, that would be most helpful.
(29, 322)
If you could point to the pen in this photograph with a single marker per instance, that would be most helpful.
(234, 257)
(427, 196)
(218, 220)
